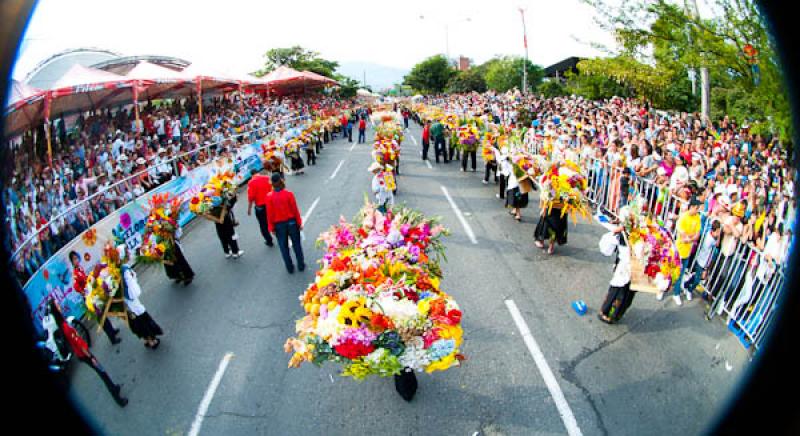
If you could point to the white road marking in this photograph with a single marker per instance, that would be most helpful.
(414, 139)
(547, 374)
(428, 163)
(336, 171)
(353, 146)
(212, 388)
(460, 216)
(310, 209)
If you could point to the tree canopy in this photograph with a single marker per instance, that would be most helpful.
(430, 76)
(504, 73)
(298, 58)
(660, 42)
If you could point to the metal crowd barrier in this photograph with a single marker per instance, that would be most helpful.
(744, 285)
(85, 203)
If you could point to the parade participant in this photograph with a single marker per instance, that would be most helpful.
(227, 233)
(437, 131)
(704, 258)
(362, 130)
(179, 270)
(505, 168)
(258, 188)
(311, 155)
(688, 232)
(620, 296)
(515, 198)
(81, 352)
(552, 226)
(79, 277)
(383, 196)
(426, 139)
(140, 322)
(285, 222)
(465, 154)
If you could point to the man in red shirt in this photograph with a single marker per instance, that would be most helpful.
(258, 189)
(426, 139)
(285, 221)
(362, 129)
(80, 350)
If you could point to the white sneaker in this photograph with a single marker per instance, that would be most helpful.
(227, 255)
(677, 299)
(236, 255)
(660, 296)
(462, 170)
(486, 183)
(497, 195)
(688, 296)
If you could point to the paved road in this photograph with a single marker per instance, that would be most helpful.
(664, 370)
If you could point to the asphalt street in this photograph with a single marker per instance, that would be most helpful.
(663, 370)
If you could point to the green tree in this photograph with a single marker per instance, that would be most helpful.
(298, 58)
(593, 87)
(661, 42)
(504, 73)
(552, 88)
(467, 81)
(430, 76)
(347, 86)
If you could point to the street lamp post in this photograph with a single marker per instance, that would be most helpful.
(525, 64)
(447, 34)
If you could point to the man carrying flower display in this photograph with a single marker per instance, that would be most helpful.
(437, 131)
(258, 188)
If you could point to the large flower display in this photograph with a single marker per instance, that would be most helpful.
(655, 258)
(158, 241)
(469, 136)
(564, 187)
(102, 281)
(386, 148)
(376, 306)
(210, 199)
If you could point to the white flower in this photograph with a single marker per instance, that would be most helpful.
(415, 357)
(397, 310)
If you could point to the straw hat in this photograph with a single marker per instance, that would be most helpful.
(374, 167)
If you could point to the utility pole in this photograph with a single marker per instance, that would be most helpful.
(705, 87)
(525, 64)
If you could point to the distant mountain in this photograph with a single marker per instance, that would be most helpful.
(378, 76)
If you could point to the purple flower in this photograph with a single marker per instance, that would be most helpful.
(404, 229)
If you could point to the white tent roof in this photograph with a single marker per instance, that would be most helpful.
(156, 73)
(80, 75)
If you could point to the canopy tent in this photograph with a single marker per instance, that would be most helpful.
(24, 103)
(83, 88)
(284, 80)
(163, 82)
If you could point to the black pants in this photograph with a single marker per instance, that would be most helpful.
(326, 137)
(261, 216)
(618, 300)
(438, 148)
(226, 232)
(283, 231)
(112, 387)
(469, 154)
(110, 331)
(311, 157)
(350, 133)
(503, 181)
(425, 146)
(362, 136)
(454, 151)
(318, 146)
(405, 122)
(491, 166)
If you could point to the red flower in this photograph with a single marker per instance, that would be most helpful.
(379, 322)
(352, 350)
(454, 316)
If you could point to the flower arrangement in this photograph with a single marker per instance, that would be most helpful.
(270, 157)
(211, 198)
(565, 187)
(158, 241)
(102, 281)
(376, 306)
(527, 164)
(487, 145)
(468, 136)
(652, 246)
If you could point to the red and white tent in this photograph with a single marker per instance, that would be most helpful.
(154, 81)
(25, 104)
(82, 88)
(284, 80)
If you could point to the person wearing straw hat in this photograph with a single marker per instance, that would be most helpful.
(383, 195)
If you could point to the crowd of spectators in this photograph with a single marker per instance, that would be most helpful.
(678, 155)
(103, 160)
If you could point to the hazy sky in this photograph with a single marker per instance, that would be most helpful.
(233, 34)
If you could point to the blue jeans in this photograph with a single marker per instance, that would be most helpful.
(698, 273)
(676, 290)
(362, 136)
(283, 231)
